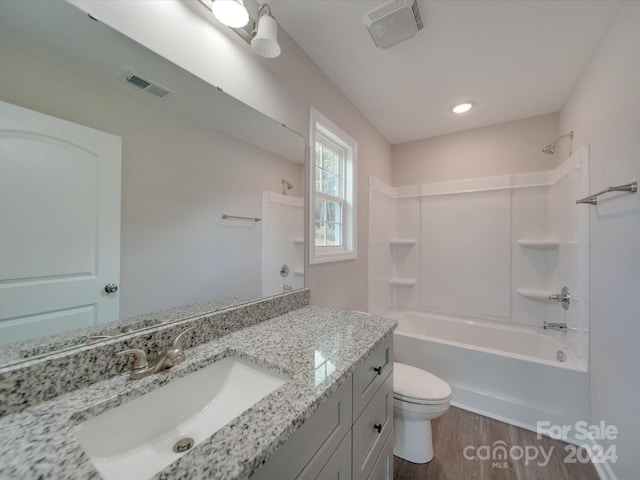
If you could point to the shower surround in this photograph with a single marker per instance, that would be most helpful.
(485, 255)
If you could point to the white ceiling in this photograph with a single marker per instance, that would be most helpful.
(515, 58)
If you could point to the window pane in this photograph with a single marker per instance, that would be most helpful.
(319, 175)
(333, 211)
(338, 233)
(321, 234)
(318, 154)
(330, 184)
(334, 234)
(330, 160)
(321, 209)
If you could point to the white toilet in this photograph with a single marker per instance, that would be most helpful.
(418, 397)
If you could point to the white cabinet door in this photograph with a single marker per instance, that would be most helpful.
(59, 224)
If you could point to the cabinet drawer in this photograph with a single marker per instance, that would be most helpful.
(309, 449)
(383, 469)
(372, 429)
(368, 377)
(339, 465)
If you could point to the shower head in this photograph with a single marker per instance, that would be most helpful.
(550, 149)
(285, 186)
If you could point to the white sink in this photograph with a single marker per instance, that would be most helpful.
(136, 439)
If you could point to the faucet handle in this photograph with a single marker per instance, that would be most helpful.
(177, 343)
(139, 358)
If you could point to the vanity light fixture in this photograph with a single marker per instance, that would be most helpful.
(230, 12)
(462, 107)
(265, 39)
(261, 33)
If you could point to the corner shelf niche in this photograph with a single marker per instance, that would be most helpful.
(539, 243)
(403, 282)
(402, 242)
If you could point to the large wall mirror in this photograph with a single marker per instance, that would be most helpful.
(207, 200)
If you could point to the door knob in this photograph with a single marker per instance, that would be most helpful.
(111, 288)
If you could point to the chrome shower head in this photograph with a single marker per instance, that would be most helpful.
(550, 149)
(285, 186)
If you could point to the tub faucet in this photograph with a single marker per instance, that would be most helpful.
(141, 366)
(555, 326)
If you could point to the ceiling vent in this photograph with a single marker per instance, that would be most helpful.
(147, 85)
(393, 22)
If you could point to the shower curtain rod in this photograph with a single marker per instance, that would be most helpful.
(255, 219)
(593, 199)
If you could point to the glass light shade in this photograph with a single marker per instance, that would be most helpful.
(230, 12)
(265, 43)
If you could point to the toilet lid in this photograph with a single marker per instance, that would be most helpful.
(417, 386)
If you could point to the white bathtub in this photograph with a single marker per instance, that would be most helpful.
(507, 373)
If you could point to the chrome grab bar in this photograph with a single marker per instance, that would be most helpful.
(593, 199)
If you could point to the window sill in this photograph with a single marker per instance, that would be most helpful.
(316, 257)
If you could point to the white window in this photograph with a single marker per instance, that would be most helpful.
(333, 192)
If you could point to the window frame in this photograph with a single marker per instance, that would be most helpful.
(326, 132)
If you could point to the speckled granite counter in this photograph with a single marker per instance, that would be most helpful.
(39, 443)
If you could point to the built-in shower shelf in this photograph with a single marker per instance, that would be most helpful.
(299, 272)
(402, 242)
(298, 241)
(539, 243)
(403, 282)
(537, 295)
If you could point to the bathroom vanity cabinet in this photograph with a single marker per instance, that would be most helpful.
(350, 434)
(332, 418)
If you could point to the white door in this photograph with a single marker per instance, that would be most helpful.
(59, 224)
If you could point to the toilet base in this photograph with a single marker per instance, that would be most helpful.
(412, 441)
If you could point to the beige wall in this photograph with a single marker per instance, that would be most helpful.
(507, 148)
(604, 111)
(284, 89)
(178, 177)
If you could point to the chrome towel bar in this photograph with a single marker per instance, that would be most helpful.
(593, 199)
(254, 219)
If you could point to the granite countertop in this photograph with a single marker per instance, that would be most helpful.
(39, 442)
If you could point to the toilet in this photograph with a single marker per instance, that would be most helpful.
(418, 397)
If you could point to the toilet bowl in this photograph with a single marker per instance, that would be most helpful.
(418, 397)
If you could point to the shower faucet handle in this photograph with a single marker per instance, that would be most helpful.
(564, 297)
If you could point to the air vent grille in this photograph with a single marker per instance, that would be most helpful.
(137, 81)
(147, 85)
(385, 10)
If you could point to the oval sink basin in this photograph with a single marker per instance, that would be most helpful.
(136, 439)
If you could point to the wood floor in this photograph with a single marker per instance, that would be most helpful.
(458, 429)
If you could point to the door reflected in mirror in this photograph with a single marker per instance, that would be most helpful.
(187, 159)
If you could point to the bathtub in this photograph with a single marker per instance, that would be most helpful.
(504, 372)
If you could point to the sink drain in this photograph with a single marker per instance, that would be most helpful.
(183, 445)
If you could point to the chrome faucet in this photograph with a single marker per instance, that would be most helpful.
(562, 327)
(173, 356)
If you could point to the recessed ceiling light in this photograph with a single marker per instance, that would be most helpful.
(462, 107)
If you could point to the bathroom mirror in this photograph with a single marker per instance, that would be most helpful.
(193, 159)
